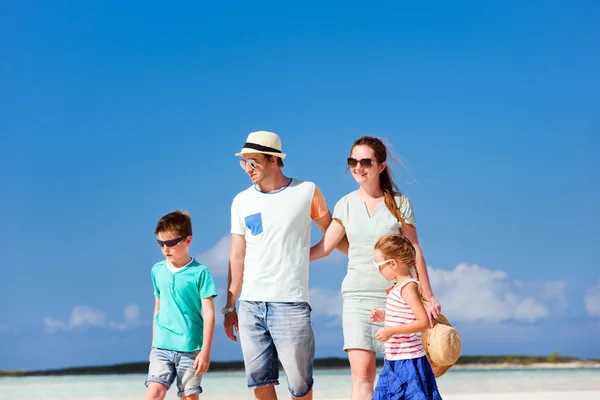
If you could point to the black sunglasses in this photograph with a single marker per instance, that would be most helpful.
(365, 162)
(169, 243)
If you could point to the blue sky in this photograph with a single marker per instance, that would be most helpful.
(114, 114)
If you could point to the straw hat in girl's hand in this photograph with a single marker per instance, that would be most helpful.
(442, 346)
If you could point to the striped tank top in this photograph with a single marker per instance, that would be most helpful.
(397, 312)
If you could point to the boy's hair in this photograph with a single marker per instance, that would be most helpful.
(176, 221)
(394, 246)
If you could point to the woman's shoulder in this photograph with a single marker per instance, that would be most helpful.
(342, 206)
(347, 198)
(403, 201)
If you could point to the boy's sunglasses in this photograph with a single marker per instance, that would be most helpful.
(365, 162)
(251, 162)
(169, 243)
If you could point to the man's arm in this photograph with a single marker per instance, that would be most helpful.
(234, 282)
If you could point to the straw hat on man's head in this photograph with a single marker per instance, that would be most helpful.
(442, 346)
(262, 142)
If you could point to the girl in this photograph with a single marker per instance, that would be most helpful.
(364, 215)
(406, 372)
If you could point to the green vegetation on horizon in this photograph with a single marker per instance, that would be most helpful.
(322, 363)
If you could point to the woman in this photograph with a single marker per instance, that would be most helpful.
(375, 209)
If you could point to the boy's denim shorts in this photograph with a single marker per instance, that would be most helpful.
(166, 365)
(273, 332)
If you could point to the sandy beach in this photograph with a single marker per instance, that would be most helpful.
(527, 396)
(517, 396)
(527, 384)
(567, 365)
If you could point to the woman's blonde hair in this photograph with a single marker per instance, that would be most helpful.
(394, 246)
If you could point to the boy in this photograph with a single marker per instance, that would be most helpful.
(184, 317)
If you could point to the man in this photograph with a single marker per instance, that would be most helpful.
(270, 224)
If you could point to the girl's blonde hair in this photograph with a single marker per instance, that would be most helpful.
(394, 246)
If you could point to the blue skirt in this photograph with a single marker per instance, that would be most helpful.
(407, 380)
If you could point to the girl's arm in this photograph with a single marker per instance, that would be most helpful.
(432, 306)
(410, 294)
(331, 238)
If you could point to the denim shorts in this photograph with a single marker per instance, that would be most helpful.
(166, 365)
(277, 332)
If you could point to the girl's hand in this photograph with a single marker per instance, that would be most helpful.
(377, 315)
(383, 335)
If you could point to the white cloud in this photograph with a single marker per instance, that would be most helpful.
(467, 293)
(592, 301)
(53, 325)
(217, 257)
(83, 317)
(556, 290)
(131, 316)
(327, 303)
(473, 293)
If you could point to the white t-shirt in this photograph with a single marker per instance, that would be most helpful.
(277, 227)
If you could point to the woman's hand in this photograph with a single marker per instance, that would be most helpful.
(433, 308)
(377, 315)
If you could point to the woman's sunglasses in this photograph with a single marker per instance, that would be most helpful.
(365, 162)
(169, 243)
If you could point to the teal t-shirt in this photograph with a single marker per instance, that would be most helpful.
(179, 324)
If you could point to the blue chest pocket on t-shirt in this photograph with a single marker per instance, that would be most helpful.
(254, 223)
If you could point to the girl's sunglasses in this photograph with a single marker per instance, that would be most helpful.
(365, 162)
(169, 243)
(381, 264)
(251, 162)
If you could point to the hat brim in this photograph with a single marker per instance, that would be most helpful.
(254, 151)
(439, 371)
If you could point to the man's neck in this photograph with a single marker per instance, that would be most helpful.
(277, 182)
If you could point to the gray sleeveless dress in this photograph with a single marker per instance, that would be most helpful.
(363, 287)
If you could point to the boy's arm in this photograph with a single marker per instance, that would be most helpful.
(208, 315)
(156, 310)
(202, 361)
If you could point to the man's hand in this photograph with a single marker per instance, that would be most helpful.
(383, 335)
(377, 315)
(230, 324)
(433, 308)
(202, 362)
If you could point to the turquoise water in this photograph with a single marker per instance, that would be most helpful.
(328, 384)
